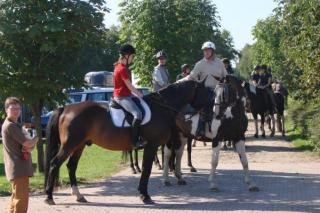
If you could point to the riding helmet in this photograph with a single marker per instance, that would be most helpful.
(127, 49)
(161, 54)
(208, 45)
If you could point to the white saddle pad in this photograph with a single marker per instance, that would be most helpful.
(118, 115)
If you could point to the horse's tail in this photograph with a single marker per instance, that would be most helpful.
(53, 140)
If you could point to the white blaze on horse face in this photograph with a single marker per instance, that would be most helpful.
(228, 113)
(253, 89)
(215, 126)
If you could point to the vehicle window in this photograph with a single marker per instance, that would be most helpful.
(75, 98)
(101, 96)
(144, 91)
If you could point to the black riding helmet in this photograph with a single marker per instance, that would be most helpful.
(127, 49)
(184, 67)
(160, 54)
(226, 61)
(257, 67)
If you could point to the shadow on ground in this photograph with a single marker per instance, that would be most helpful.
(279, 191)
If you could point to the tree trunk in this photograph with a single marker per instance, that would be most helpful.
(36, 109)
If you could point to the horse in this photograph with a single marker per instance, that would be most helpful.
(260, 104)
(230, 123)
(280, 105)
(70, 128)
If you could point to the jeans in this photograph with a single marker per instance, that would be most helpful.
(128, 104)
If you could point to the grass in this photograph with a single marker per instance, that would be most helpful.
(297, 135)
(95, 163)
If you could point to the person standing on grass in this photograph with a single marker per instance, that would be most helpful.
(17, 146)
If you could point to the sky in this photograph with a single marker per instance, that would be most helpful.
(237, 16)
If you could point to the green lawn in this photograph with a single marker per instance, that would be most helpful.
(95, 163)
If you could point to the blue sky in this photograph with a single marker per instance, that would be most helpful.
(237, 16)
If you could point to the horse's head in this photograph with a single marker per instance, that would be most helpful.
(228, 94)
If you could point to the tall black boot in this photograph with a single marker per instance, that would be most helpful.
(135, 134)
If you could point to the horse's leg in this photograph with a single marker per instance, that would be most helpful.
(283, 128)
(53, 172)
(72, 167)
(273, 125)
(240, 147)
(148, 156)
(224, 147)
(172, 160)
(189, 148)
(136, 161)
(214, 164)
(279, 123)
(167, 155)
(262, 126)
(194, 143)
(255, 118)
(157, 162)
(133, 170)
(179, 153)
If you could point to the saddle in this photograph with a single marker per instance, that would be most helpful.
(122, 118)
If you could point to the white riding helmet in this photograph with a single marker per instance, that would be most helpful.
(208, 45)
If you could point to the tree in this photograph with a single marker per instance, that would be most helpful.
(301, 27)
(246, 64)
(104, 55)
(178, 26)
(42, 46)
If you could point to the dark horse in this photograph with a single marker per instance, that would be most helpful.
(280, 103)
(72, 127)
(260, 104)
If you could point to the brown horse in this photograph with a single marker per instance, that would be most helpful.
(72, 127)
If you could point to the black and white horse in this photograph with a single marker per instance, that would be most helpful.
(260, 104)
(229, 123)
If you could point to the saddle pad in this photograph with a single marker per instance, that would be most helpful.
(118, 115)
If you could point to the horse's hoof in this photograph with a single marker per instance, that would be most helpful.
(224, 147)
(182, 182)
(205, 144)
(133, 171)
(167, 183)
(49, 201)
(160, 168)
(215, 189)
(139, 170)
(146, 199)
(192, 169)
(82, 200)
(263, 135)
(256, 136)
(254, 189)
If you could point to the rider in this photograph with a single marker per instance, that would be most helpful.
(185, 71)
(211, 70)
(255, 75)
(161, 77)
(227, 65)
(264, 82)
(123, 90)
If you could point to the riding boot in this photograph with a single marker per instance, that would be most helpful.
(135, 134)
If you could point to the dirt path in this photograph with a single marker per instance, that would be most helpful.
(289, 182)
